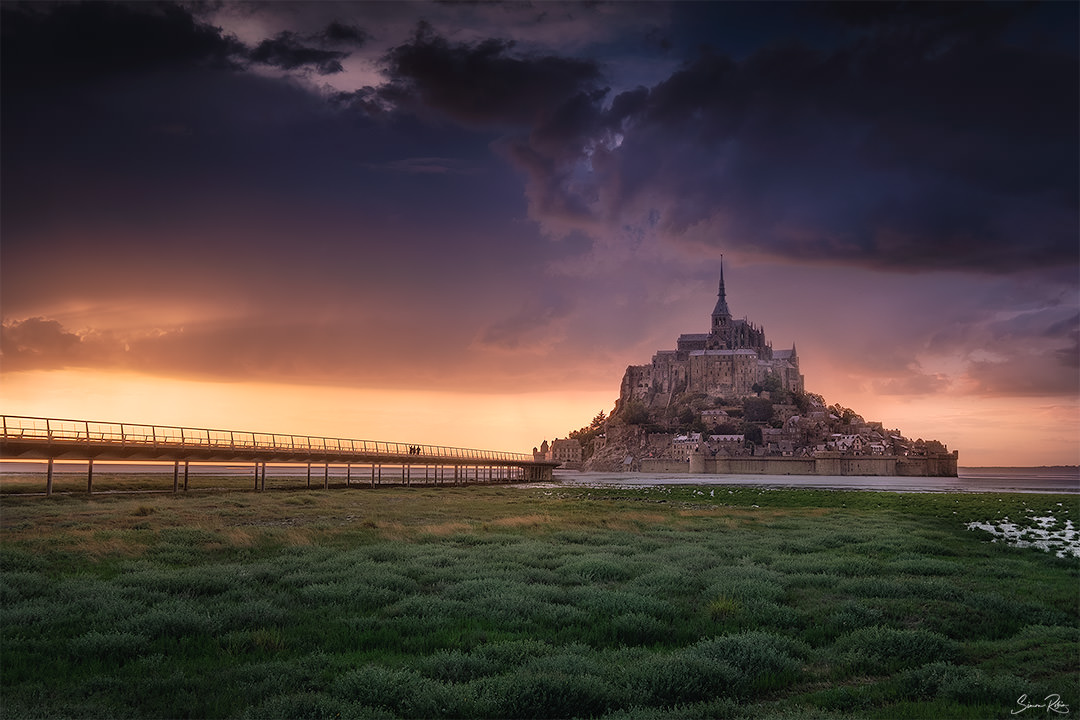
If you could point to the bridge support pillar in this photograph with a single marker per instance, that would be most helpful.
(309, 476)
(176, 476)
(48, 478)
(90, 476)
(186, 463)
(262, 478)
(326, 477)
(348, 473)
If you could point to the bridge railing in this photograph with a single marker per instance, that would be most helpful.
(165, 437)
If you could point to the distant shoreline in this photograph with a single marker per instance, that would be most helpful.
(14, 462)
(1074, 468)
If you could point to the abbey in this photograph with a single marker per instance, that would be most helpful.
(726, 362)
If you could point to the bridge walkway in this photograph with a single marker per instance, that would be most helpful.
(50, 439)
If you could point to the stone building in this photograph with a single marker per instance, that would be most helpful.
(565, 451)
(568, 452)
(725, 362)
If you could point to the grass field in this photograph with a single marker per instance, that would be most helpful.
(494, 602)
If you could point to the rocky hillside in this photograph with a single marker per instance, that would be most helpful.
(777, 423)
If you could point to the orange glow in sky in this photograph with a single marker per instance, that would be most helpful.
(508, 422)
(983, 430)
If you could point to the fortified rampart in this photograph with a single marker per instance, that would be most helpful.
(828, 463)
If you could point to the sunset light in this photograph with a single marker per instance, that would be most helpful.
(461, 224)
(539, 358)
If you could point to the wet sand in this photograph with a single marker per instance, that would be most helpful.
(1022, 480)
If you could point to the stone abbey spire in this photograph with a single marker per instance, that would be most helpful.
(721, 315)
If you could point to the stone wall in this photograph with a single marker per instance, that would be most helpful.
(823, 464)
(663, 465)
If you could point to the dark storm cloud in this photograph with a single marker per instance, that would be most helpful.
(922, 144)
(68, 43)
(128, 124)
(72, 43)
(287, 50)
(486, 83)
(341, 33)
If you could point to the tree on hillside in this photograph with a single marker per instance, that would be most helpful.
(757, 409)
(805, 401)
(634, 412)
(727, 428)
(587, 434)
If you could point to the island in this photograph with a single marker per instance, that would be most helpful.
(726, 402)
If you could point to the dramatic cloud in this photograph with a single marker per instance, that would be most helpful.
(484, 84)
(287, 50)
(56, 44)
(935, 149)
(340, 33)
(491, 197)
(63, 44)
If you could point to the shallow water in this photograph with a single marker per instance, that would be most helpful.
(1024, 480)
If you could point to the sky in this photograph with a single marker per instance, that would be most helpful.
(458, 223)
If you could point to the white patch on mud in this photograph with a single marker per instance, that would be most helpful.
(1046, 533)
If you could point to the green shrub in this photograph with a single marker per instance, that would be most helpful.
(597, 568)
(176, 619)
(734, 666)
(18, 585)
(400, 691)
(638, 629)
(879, 649)
(724, 607)
(960, 684)
(686, 677)
(109, 647)
(746, 582)
(251, 613)
(261, 640)
(921, 565)
(546, 694)
(846, 617)
(511, 654)
(456, 666)
(308, 705)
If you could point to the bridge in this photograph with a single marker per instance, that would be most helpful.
(50, 439)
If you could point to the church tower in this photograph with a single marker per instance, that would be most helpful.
(721, 315)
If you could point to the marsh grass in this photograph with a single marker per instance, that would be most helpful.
(495, 602)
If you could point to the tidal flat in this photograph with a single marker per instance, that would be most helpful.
(542, 602)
